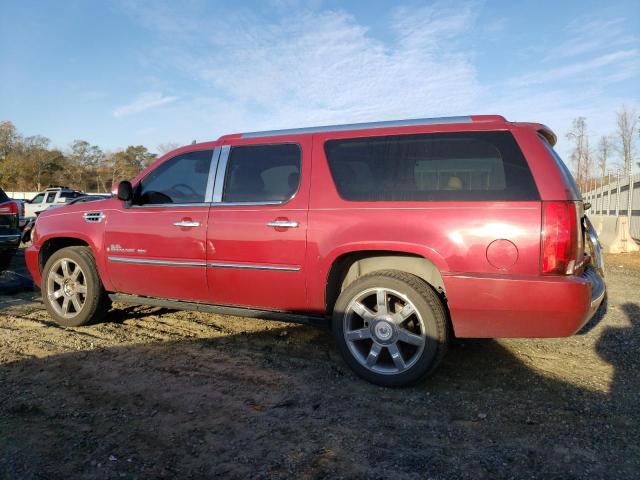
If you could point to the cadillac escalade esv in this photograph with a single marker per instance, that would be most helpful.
(398, 234)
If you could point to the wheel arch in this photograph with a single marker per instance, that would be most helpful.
(350, 266)
(53, 244)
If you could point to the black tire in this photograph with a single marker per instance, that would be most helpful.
(96, 301)
(431, 320)
(5, 259)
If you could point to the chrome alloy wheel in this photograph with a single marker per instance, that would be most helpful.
(384, 331)
(66, 288)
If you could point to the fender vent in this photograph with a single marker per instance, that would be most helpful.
(93, 217)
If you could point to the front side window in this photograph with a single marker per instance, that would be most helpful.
(262, 173)
(429, 167)
(50, 197)
(38, 198)
(181, 179)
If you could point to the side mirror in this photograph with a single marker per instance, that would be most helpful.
(125, 191)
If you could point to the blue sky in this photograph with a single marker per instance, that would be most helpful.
(137, 72)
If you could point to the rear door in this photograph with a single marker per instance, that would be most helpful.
(256, 241)
(156, 247)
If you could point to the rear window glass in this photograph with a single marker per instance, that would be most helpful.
(428, 167)
(3, 196)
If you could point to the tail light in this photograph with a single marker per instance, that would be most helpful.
(9, 208)
(561, 236)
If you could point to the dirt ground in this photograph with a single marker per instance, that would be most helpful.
(153, 393)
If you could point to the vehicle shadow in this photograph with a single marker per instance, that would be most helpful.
(279, 403)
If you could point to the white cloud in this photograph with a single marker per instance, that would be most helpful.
(310, 65)
(143, 102)
(576, 69)
(323, 66)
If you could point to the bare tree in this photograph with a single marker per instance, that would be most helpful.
(580, 157)
(626, 122)
(604, 151)
(166, 147)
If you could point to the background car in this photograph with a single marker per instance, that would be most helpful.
(51, 196)
(9, 231)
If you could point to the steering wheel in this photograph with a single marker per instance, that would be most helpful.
(190, 192)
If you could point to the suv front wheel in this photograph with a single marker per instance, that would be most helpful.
(71, 288)
(391, 328)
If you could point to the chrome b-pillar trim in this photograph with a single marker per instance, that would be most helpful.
(220, 173)
(208, 196)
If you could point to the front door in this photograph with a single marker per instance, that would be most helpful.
(156, 247)
(257, 225)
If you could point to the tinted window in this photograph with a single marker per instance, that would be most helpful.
(38, 198)
(451, 166)
(70, 194)
(181, 179)
(3, 196)
(262, 173)
(569, 181)
(50, 197)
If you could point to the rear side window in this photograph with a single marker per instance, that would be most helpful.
(181, 179)
(262, 173)
(69, 194)
(430, 167)
(3, 196)
(50, 197)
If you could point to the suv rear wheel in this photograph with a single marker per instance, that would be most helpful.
(391, 328)
(71, 288)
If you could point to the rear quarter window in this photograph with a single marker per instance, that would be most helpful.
(569, 182)
(430, 167)
(3, 196)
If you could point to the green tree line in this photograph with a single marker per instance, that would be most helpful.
(31, 164)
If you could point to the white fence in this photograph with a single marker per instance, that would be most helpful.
(617, 195)
(30, 195)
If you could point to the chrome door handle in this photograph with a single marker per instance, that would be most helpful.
(185, 223)
(283, 224)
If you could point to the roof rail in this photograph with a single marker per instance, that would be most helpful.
(368, 125)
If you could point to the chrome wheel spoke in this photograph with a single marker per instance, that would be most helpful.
(411, 338)
(81, 289)
(360, 334)
(363, 311)
(59, 279)
(64, 264)
(65, 305)
(381, 301)
(374, 354)
(77, 305)
(57, 294)
(76, 273)
(396, 356)
(404, 313)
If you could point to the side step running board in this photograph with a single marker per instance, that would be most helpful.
(314, 320)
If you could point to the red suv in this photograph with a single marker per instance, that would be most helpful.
(399, 234)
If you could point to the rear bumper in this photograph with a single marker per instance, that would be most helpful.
(495, 306)
(32, 259)
(10, 240)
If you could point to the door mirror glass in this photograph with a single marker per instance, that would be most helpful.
(125, 191)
